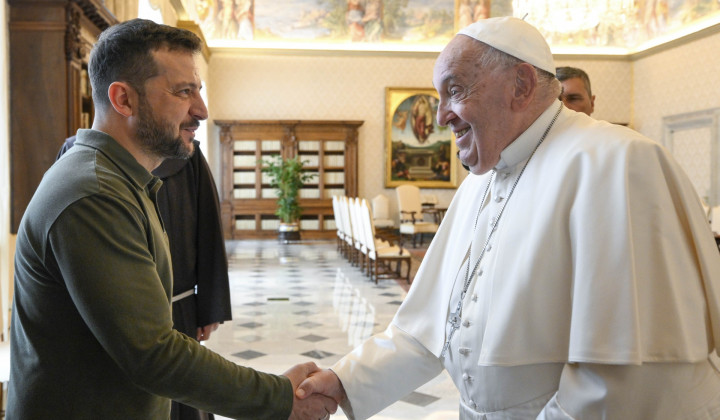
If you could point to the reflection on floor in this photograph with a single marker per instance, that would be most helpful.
(295, 303)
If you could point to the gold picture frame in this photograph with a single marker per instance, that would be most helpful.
(417, 150)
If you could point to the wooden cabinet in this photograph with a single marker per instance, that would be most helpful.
(49, 43)
(248, 202)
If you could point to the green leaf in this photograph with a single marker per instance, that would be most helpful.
(287, 178)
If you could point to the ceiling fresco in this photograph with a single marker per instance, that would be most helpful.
(427, 25)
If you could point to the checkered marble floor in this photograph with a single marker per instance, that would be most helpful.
(300, 302)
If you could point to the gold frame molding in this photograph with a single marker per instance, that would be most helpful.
(427, 161)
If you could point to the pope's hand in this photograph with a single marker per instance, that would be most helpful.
(323, 382)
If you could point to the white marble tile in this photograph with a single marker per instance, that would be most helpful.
(327, 299)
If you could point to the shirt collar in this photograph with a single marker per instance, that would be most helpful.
(523, 146)
(127, 163)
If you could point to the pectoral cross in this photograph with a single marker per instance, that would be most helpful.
(454, 321)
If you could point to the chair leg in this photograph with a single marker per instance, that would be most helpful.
(408, 262)
(376, 272)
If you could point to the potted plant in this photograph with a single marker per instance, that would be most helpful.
(287, 176)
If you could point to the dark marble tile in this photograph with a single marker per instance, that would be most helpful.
(312, 338)
(249, 354)
(308, 324)
(318, 354)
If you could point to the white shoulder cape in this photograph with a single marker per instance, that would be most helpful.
(603, 255)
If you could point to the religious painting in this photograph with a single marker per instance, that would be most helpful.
(224, 19)
(417, 150)
(470, 11)
(429, 22)
(227, 23)
(428, 25)
(299, 20)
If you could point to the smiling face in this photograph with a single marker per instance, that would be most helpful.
(171, 108)
(474, 103)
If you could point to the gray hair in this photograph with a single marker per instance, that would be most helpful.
(565, 73)
(495, 60)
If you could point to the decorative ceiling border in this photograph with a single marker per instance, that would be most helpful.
(697, 30)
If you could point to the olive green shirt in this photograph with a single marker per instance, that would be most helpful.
(91, 332)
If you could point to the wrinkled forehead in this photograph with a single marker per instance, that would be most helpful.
(459, 46)
(459, 56)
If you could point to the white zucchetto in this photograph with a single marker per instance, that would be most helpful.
(515, 37)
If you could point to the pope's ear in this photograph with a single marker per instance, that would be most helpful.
(122, 97)
(526, 81)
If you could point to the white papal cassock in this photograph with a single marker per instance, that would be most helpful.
(598, 295)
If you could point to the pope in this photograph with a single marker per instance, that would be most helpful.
(571, 278)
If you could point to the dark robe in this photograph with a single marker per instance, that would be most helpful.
(190, 209)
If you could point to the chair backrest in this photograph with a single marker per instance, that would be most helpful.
(409, 201)
(337, 215)
(357, 227)
(367, 223)
(347, 221)
(715, 219)
(380, 207)
(428, 199)
(707, 209)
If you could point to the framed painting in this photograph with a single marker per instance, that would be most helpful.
(417, 150)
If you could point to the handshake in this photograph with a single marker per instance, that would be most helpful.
(317, 392)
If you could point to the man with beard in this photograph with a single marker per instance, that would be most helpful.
(91, 334)
(569, 279)
(190, 209)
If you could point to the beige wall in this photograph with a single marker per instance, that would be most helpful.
(676, 80)
(611, 81)
(352, 86)
(335, 86)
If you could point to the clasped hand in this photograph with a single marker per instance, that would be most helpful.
(317, 392)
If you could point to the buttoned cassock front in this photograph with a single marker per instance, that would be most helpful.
(602, 257)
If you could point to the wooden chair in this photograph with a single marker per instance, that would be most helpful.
(349, 246)
(337, 215)
(358, 233)
(380, 254)
(715, 223)
(411, 214)
(715, 219)
(381, 213)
